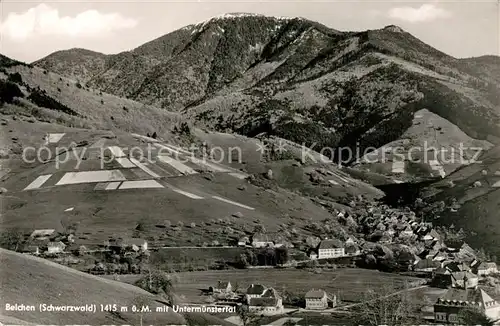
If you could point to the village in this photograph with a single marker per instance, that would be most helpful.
(443, 263)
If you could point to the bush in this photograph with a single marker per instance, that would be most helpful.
(41, 99)
(15, 78)
(8, 91)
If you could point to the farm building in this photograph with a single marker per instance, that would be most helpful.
(221, 287)
(136, 244)
(55, 247)
(42, 234)
(260, 240)
(316, 299)
(255, 291)
(269, 304)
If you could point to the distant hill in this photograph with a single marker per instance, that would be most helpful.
(34, 281)
(302, 81)
(471, 197)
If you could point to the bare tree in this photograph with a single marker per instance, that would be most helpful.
(387, 306)
(139, 302)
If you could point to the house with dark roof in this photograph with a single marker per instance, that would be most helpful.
(316, 299)
(221, 287)
(448, 307)
(331, 248)
(441, 278)
(426, 265)
(457, 267)
(270, 303)
(32, 250)
(440, 256)
(434, 245)
(255, 291)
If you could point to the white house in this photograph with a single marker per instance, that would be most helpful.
(464, 280)
(260, 240)
(487, 268)
(136, 244)
(316, 299)
(55, 247)
(222, 287)
(243, 241)
(313, 255)
(331, 248)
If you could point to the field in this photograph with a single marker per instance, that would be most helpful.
(32, 281)
(348, 284)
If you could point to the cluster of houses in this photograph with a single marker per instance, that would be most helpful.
(49, 242)
(266, 301)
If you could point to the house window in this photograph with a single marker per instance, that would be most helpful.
(453, 318)
(441, 316)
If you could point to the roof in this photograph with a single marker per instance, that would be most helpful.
(427, 263)
(270, 293)
(451, 243)
(441, 270)
(457, 267)
(461, 275)
(260, 237)
(42, 232)
(134, 241)
(330, 244)
(315, 294)
(487, 265)
(263, 302)
(469, 295)
(58, 244)
(29, 248)
(256, 289)
(434, 234)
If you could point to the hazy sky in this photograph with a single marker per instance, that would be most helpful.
(30, 30)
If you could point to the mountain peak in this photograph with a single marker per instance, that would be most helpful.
(393, 28)
(237, 15)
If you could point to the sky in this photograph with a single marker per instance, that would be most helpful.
(30, 30)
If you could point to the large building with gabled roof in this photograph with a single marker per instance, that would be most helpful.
(454, 301)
